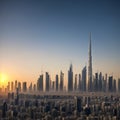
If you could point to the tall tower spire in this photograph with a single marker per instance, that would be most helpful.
(90, 67)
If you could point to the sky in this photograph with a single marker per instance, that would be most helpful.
(38, 36)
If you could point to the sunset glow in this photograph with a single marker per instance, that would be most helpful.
(3, 79)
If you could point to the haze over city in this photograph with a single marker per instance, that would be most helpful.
(47, 36)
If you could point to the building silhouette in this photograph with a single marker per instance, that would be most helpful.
(106, 79)
(30, 87)
(110, 84)
(100, 82)
(61, 80)
(19, 86)
(95, 84)
(47, 82)
(90, 67)
(8, 87)
(78, 104)
(4, 109)
(17, 97)
(104, 84)
(12, 86)
(53, 85)
(24, 86)
(40, 83)
(84, 79)
(34, 87)
(75, 84)
(16, 84)
(70, 79)
(114, 85)
(80, 83)
(119, 85)
(57, 82)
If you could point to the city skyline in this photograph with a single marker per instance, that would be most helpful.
(39, 36)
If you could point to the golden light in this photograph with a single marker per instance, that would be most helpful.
(3, 79)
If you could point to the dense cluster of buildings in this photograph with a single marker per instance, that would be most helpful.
(85, 81)
(60, 107)
(100, 83)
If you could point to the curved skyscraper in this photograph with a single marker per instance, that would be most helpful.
(90, 67)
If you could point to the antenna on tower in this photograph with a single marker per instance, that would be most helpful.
(90, 35)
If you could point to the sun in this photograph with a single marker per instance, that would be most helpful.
(3, 79)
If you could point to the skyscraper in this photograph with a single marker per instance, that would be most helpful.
(15, 84)
(61, 80)
(79, 84)
(30, 87)
(84, 79)
(110, 84)
(57, 81)
(90, 67)
(75, 84)
(47, 82)
(40, 83)
(8, 86)
(19, 86)
(70, 79)
(17, 97)
(119, 85)
(114, 85)
(96, 82)
(24, 86)
(12, 86)
(53, 85)
(100, 82)
(78, 103)
(4, 110)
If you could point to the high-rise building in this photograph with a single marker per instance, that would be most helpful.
(70, 79)
(78, 104)
(47, 82)
(118, 84)
(84, 79)
(90, 67)
(34, 87)
(12, 86)
(24, 86)
(8, 86)
(17, 97)
(80, 82)
(40, 83)
(106, 79)
(4, 109)
(100, 82)
(110, 84)
(103, 84)
(30, 87)
(19, 86)
(114, 85)
(53, 85)
(57, 82)
(75, 84)
(96, 82)
(15, 84)
(61, 80)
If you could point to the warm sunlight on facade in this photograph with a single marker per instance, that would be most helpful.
(3, 79)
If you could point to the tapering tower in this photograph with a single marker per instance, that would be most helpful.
(90, 67)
